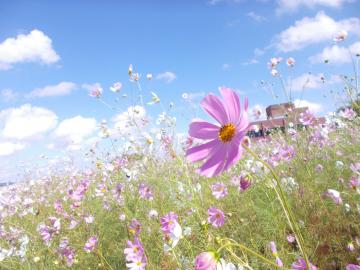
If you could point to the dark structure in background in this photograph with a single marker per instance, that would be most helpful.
(279, 116)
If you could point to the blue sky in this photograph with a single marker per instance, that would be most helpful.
(197, 46)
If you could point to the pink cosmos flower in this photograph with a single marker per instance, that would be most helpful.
(273, 249)
(224, 146)
(307, 118)
(219, 190)
(90, 244)
(290, 62)
(334, 195)
(340, 36)
(348, 113)
(352, 267)
(216, 217)
(135, 227)
(300, 264)
(355, 167)
(168, 222)
(354, 182)
(145, 192)
(133, 250)
(205, 261)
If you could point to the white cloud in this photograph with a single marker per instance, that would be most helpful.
(313, 107)
(215, 2)
(26, 122)
(75, 130)
(250, 62)
(8, 95)
(167, 76)
(307, 81)
(226, 66)
(256, 17)
(34, 47)
(8, 148)
(61, 89)
(309, 31)
(336, 54)
(293, 5)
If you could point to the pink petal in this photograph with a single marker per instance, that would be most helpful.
(215, 107)
(203, 130)
(202, 151)
(231, 99)
(214, 165)
(234, 154)
(244, 122)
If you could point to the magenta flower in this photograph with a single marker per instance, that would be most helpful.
(205, 261)
(219, 190)
(300, 264)
(133, 250)
(224, 146)
(352, 267)
(168, 222)
(135, 227)
(216, 217)
(145, 192)
(354, 182)
(90, 244)
(273, 249)
(245, 182)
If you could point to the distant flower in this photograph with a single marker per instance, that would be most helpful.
(341, 36)
(135, 227)
(245, 182)
(224, 148)
(319, 168)
(354, 182)
(334, 195)
(352, 267)
(168, 222)
(90, 244)
(355, 167)
(206, 261)
(216, 217)
(290, 238)
(257, 112)
(290, 62)
(154, 99)
(272, 64)
(300, 264)
(133, 250)
(116, 87)
(145, 192)
(219, 190)
(153, 213)
(96, 92)
(273, 249)
(130, 70)
(89, 219)
(149, 76)
(348, 113)
(307, 118)
(274, 73)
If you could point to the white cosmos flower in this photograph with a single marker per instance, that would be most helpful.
(116, 87)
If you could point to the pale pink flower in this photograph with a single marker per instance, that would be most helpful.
(290, 62)
(216, 217)
(341, 36)
(205, 261)
(219, 190)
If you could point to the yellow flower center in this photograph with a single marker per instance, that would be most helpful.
(227, 132)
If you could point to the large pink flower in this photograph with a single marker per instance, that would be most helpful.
(224, 146)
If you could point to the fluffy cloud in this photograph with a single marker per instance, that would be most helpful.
(34, 47)
(308, 31)
(61, 89)
(307, 81)
(8, 95)
(313, 107)
(75, 130)
(336, 54)
(167, 76)
(8, 148)
(256, 17)
(26, 122)
(293, 5)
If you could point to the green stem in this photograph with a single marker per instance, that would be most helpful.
(284, 204)
(249, 251)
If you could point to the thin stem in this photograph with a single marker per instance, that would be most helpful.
(242, 247)
(284, 204)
